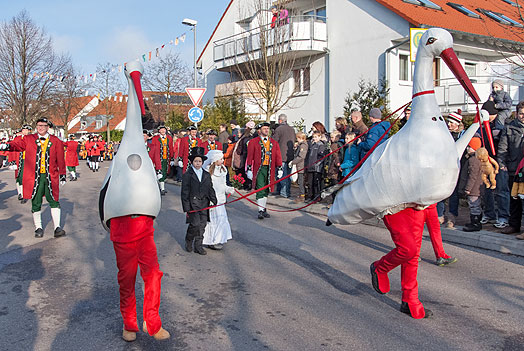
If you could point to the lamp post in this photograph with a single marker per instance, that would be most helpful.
(192, 23)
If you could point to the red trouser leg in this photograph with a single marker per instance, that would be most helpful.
(434, 231)
(151, 274)
(127, 263)
(406, 229)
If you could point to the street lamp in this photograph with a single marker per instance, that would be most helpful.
(192, 23)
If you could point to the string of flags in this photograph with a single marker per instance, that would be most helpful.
(148, 56)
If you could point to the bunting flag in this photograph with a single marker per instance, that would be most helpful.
(148, 56)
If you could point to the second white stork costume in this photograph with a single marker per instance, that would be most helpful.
(415, 168)
(129, 202)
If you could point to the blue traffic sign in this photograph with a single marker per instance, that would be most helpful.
(195, 115)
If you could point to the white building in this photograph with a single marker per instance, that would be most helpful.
(336, 43)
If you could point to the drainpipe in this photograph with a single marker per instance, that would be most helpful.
(388, 50)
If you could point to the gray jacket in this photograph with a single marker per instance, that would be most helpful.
(509, 152)
(285, 136)
(300, 156)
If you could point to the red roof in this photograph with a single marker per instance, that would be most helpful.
(452, 19)
(77, 105)
(106, 107)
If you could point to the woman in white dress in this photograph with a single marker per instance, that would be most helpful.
(218, 231)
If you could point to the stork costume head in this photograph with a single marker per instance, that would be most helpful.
(419, 165)
(130, 186)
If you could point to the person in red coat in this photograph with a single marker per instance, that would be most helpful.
(264, 163)
(211, 143)
(44, 170)
(97, 147)
(187, 144)
(151, 151)
(19, 172)
(88, 146)
(163, 157)
(71, 158)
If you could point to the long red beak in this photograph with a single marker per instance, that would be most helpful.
(135, 76)
(454, 65)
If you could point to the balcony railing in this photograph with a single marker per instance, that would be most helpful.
(307, 34)
(451, 95)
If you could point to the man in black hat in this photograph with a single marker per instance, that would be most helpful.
(187, 144)
(44, 170)
(264, 164)
(210, 143)
(164, 155)
(197, 194)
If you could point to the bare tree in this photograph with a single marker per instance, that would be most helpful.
(266, 60)
(167, 75)
(107, 83)
(66, 96)
(28, 67)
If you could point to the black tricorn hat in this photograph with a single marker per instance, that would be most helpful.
(26, 126)
(197, 152)
(161, 126)
(191, 128)
(263, 124)
(211, 132)
(44, 120)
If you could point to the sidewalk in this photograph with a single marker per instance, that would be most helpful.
(489, 238)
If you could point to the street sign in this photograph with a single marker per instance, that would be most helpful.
(414, 38)
(195, 115)
(195, 94)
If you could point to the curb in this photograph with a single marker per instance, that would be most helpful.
(483, 239)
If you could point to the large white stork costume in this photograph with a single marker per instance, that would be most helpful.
(129, 202)
(415, 168)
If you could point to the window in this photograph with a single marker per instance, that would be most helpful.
(301, 80)
(464, 10)
(317, 14)
(98, 123)
(403, 72)
(494, 16)
(83, 124)
(512, 3)
(471, 69)
(424, 3)
(513, 22)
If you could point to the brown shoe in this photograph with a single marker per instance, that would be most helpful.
(510, 230)
(520, 236)
(128, 335)
(450, 224)
(162, 334)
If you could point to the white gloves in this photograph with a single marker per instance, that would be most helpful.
(172, 163)
(249, 175)
(180, 164)
(159, 175)
(484, 116)
(4, 146)
(62, 179)
(280, 173)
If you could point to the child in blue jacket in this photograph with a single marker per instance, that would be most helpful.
(351, 156)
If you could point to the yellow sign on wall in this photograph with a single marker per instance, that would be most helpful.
(414, 38)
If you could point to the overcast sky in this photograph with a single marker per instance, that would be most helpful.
(118, 31)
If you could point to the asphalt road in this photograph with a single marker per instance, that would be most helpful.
(285, 283)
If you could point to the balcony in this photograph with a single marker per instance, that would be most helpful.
(303, 36)
(452, 96)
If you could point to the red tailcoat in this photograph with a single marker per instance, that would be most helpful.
(88, 145)
(19, 158)
(71, 158)
(183, 150)
(157, 160)
(206, 146)
(254, 158)
(55, 163)
(151, 150)
(96, 151)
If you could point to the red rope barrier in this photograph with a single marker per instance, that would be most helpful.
(317, 161)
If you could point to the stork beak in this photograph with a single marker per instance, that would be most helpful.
(135, 76)
(454, 65)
